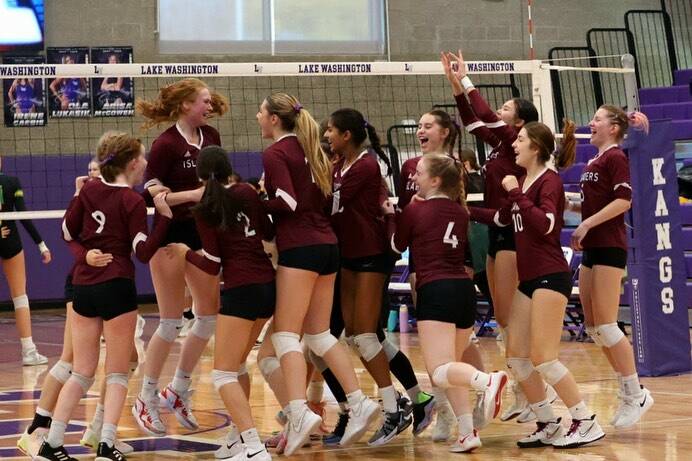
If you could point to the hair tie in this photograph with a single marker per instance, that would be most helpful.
(296, 107)
(106, 160)
(365, 124)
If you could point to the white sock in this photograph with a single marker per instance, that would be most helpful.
(56, 433)
(251, 439)
(413, 393)
(108, 434)
(27, 344)
(630, 385)
(315, 391)
(354, 398)
(296, 408)
(149, 387)
(389, 396)
(181, 381)
(480, 381)
(97, 421)
(580, 411)
(544, 411)
(465, 422)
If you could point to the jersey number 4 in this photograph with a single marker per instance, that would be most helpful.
(100, 218)
(449, 238)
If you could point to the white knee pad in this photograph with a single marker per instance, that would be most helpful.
(84, 382)
(591, 331)
(285, 342)
(204, 326)
(117, 378)
(321, 342)
(552, 372)
(368, 345)
(21, 302)
(242, 369)
(168, 329)
(319, 362)
(351, 343)
(268, 366)
(61, 371)
(609, 334)
(439, 376)
(520, 367)
(390, 350)
(220, 378)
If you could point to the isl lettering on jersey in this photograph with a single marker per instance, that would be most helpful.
(663, 244)
(188, 161)
(411, 184)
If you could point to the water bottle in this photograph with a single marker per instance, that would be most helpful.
(393, 321)
(403, 319)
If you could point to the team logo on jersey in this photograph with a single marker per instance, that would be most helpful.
(187, 154)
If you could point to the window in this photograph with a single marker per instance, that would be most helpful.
(272, 26)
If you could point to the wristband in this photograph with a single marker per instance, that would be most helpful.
(467, 83)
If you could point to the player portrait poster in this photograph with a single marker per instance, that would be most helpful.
(24, 99)
(68, 97)
(112, 96)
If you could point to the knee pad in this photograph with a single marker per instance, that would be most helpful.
(439, 376)
(351, 343)
(117, 378)
(319, 362)
(552, 372)
(321, 342)
(304, 347)
(368, 346)
(21, 302)
(285, 342)
(268, 366)
(242, 369)
(609, 334)
(220, 378)
(61, 371)
(204, 326)
(520, 367)
(168, 329)
(390, 350)
(84, 382)
(591, 331)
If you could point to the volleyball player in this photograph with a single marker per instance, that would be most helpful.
(232, 225)
(365, 260)
(172, 161)
(499, 130)
(21, 95)
(298, 182)
(106, 217)
(537, 313)
(607, 195)
(435, 230)
(68, 90)
(13, 265)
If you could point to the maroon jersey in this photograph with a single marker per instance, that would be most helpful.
(407, 186)
(113, 219)
(435, 230)
(172, 162)
(483, 123)
(238, 249)
(296, 203)
(356, 208)
(536, 214)
(605, 178)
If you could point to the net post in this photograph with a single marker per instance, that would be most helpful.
(631, 93)
(542, 92)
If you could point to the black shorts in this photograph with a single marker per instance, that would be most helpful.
(183, 232)
(250, 302)
(11, 245)
(382, 263)
(500, 239)
(106, 300)
(323, 259)
(411, 266)
(451, 301)
(605, 256)
(69, 289)
(559, 281)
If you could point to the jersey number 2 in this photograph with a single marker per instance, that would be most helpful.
(100, 218)
(449, 238)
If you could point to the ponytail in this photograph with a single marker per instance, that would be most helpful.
(377, 146)
(567, 152)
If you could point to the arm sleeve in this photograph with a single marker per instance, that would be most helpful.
(158, 166)
(538, 216)
(19, 205)
(404, 195)
(144, 246)
(265, 227)
(620, 171)
(78, 250)
(471, 122)
(490, 118)
(210, 260)
(489, 216)
(276, 173)
(72, 222)
(399, 230)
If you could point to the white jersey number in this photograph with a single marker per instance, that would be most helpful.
(449, 237)
(100, 218)
(518, 223)
(248, 232)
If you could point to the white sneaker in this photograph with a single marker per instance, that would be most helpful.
(147, 417)
(32, 358)
(632, 409)
(91, 439)
(299, 429)
(466, 443)
(444, 423)
(231, 445)
(139, 329)
(29, 444)
(581, 432)
(359, 419)
(492, 400)
(180, 405)
(544, 435)
(479, 420)
(520, 405)
(248, 454)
